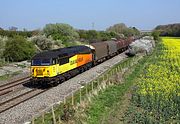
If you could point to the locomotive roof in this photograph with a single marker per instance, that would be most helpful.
(62, 52)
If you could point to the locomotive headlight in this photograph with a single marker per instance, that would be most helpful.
(48, 72)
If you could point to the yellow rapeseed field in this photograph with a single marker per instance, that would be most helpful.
(163, 76)
(158, 87)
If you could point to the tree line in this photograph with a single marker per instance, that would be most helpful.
(172, 30)
(22, 45)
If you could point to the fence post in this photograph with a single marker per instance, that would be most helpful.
(43, 121)
(92, 85)
(64, 99)
(86, 89)
(111, 73)
(53, 114)
(33, 120)
(103, 78)
(116, 70)
(59, 120)
(80, 96)
(72, 98)
(98, 87)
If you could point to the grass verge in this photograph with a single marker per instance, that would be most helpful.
(108, 100)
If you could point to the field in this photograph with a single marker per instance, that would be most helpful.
(156, 97)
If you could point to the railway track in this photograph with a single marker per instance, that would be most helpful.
(4, 106)
(10, 87)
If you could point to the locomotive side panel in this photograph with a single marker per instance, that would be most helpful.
(83, 59)
(67, 63)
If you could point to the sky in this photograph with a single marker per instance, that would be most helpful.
(83, 14)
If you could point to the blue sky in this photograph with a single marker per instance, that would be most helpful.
(143, 14)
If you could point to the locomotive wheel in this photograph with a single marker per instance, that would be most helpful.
(81, 70)
(67, 76)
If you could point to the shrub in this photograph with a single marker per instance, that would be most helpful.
(2, 44)
(155, 34)
(60, 31)
(42, 42)
(18, 49)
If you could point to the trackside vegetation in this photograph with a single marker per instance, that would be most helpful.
(18, 49)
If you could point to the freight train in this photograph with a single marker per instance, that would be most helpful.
(56, 66)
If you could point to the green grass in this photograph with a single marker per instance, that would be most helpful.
(106, 101)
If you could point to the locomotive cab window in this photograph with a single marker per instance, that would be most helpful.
(63, 61)
(46, 62)
(38, 62)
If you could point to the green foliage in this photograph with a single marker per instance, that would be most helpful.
(20, 33)
(122, 29)
(42, 42)
(155, 34)
(2, 45)
(93, 35)
(169, 30)
(118, 28)
(18, 49)
(112, 96)
(60, 31)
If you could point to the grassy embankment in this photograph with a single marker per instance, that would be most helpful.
(109, 101)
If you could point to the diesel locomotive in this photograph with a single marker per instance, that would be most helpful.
(56, 66)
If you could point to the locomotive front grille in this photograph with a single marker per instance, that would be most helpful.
(39, 73)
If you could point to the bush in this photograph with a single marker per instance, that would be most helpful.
(18, 49)
(42, 42)
(2, 45)
(60, 31)
(156, 34)
(19, 33)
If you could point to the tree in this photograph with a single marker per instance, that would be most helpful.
(60, 31)
(42, 42)
(92, 35)
(169, 30)
(18, 49)
(121, 28)
(117, 28)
